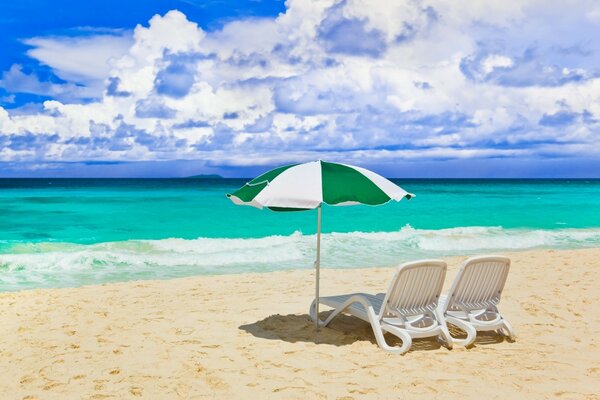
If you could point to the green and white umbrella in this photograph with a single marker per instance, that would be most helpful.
(307, 186)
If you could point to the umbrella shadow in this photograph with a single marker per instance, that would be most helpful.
(342, 331)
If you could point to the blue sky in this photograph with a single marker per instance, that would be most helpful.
(411, 88)
(25, 19)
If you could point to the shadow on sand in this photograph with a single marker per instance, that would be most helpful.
(343, 330)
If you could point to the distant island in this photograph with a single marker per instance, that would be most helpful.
(207, 176)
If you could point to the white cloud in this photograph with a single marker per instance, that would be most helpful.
(496, 61)
(594, 14)
(81, 59)
(440, 80)
(16, 80)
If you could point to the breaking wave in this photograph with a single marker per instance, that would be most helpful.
(53, 264)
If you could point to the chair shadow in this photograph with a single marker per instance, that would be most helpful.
(483, 337)
(345, 330)
(342, 331)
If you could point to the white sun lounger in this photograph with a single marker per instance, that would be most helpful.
(471, 303)
(408, 309)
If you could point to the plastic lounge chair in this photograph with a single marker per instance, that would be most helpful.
(471, 303)
(408, 309)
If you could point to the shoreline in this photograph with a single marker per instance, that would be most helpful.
(238, 335)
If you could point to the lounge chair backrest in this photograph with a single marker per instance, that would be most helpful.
(415, 289)
(479, 283)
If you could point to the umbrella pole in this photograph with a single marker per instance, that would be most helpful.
(318, 266)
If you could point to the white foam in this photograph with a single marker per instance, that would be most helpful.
(67, 264)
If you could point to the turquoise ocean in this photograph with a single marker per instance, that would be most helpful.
(72, 232)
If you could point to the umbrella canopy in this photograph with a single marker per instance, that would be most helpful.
(307, 186)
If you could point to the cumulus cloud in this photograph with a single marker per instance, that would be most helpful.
(347, 80)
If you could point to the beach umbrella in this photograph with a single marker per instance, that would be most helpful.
(307, 186)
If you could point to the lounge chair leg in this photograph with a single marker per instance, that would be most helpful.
(402, 335)
(445, 336)
(510, 333)
(314, 317)
(313, 314)
(471, 331)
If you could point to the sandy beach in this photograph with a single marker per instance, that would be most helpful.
(245, 336)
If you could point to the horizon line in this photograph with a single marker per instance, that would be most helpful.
(208, 178)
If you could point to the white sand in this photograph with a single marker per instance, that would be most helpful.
(248, 336)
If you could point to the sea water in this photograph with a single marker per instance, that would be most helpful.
(71, 232)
